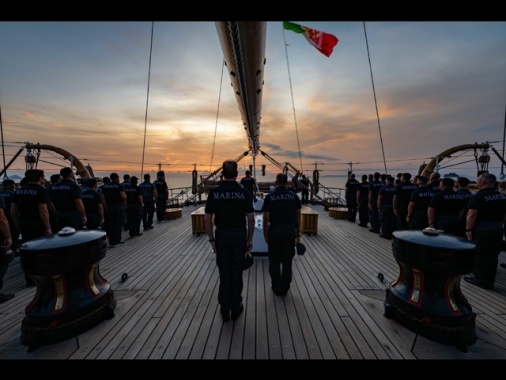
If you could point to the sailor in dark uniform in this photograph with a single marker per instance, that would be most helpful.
(248, 182)
(135, 206)
(162, 191)
(401, 200)
(232, 206)
(149, 195)
(487, 210)
(434, 182)
(385, 206)
(93, 205)
(419, 204)
(445, 208)
(281, 224)
(374, 188)
(114, 197)
(363, 199)
(351, 187)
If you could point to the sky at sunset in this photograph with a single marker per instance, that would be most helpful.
(83, 86)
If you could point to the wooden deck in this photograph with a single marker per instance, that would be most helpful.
(167, 308)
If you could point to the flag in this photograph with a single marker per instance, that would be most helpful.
(324, 42)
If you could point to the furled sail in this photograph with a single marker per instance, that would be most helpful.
(243, 44)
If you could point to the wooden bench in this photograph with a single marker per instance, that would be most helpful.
(198, 226)
(173, 213)
(308, 221)
(338, 212)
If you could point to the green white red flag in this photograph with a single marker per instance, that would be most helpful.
(323, 42)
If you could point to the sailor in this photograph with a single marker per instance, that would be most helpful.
(149, 195)
(281, 225)
(350, 194)
(487, 210)
(228, 207)
(248, 182)
(402, 198)
(362, 199)
(385, 207)
(418, 205)
(162, 190)
(374, 188)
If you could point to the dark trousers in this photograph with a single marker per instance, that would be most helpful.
(488, 240)
(161, 206)
(387, 221)
(115, 221)
(363, 212)
(419, 220)
(231, 247)
(402, 213)
(134, 218)
(72, 219)
(304, 197)
(351, 203)
(148, 213)
(3, 271)
(374, 216)
(281, 250)
(92, 220)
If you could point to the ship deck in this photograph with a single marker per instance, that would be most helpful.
(167, 304)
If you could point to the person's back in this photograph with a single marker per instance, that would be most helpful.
(445, 208)
(401, 200)
(248, 182)
(281, 226)
(228, 207)
(304, 190)
(93, 206)
(363, 199)
(484, 227)
(351, 189)
(419, 204)
(7, 193)
(134, 203)
(162, 192)
(149, 196)
(114, 197)
(65, 196)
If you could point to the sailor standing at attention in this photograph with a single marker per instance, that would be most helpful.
(281, 224)
(231, 206)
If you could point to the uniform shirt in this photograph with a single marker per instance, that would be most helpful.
(248, 183)
(466, 194)
(387, 193)
(282, 205)
(434, 186)
(161, 187)
(447, 202)
(229, 203)
(91, 199)
(7, 196)
(132, 193)
(63, 195)
(147, 191)
(28, 198)
(403, 192)
(364, 191)
(352, 185)
(421, 197)
(375, 187)
(112, 193)
(491, 205)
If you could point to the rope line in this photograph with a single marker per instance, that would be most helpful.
(147, 99)
(375, 101)
(217, 113)
(291, 94)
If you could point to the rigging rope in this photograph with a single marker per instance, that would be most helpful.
(147, 98)
(3, 148)
(217, 113)
(293, 104)
(375, 101)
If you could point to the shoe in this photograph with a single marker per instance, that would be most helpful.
(225, 314)
(236, 312)
(473, 281)
(119, 243)
(362, 225)
(139, 234)
(5, 297)
(384, 237)
(503, 265)
(371, 230)
(112, 246)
